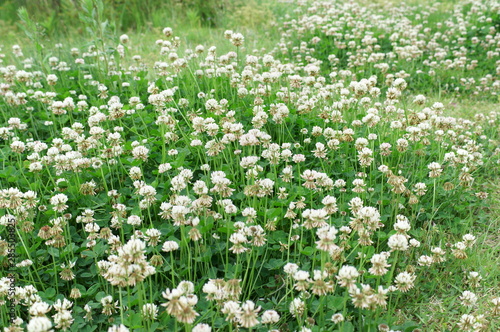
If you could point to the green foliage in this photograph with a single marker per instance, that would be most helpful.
(58, 16)
(130, 142)
(253, 14)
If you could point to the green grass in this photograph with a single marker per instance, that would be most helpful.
(433, 305)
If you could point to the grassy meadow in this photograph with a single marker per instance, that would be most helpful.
(254, 165)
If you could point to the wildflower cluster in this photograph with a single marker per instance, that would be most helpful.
(308, 187)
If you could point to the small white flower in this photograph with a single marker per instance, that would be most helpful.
(398, 242)
(170, 246)
(202, 328)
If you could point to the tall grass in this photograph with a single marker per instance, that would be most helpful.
(57, 17)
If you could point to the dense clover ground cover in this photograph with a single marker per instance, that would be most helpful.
(311, 187)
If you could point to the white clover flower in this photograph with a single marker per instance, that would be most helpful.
(24, 263)
(18, 146)
(435, 170)
(232, 310)
(379, 264)
(124, 39)
(326, 235)
(59, 202)
(474, 278)
(347, 275)
(399, 84)
(297, 307)
(467, 322)
(425, 260)
(405, 281)
(438, 255)
(340, 183)
(237, 39)
(414, 243)
(248, 314)
(135, 173)
(301, 275)
(118, 328)
(402, 224)
(186, 287)
(39, 324)
(469, 240)
(63, 319)
(468, 298)
(201, 328)
(249, 212)
(270, 317)
(39, 309)
(290, 268)
(337, 318)
(51, 79)
(170, 246)
(167, 32)
(398, 242)
(162, 168)
(238, 239)
(134, 220)
(140, 152)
